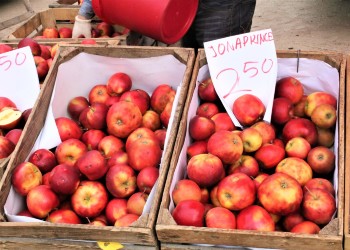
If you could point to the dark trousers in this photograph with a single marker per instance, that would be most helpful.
(214, 20)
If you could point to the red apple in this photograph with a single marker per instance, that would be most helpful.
(160, 96)
(126, 220)
(123, 118)
(136, 203)
(69, 151)
(161, 135)
(119, 157)
(65, 32)
(166, 113)
(201, 128)
(325, 137)
(45, 52)
(319, 183)
(306, 227)
(54, 50)
(213, 194)
(146, 179)
(90, 199)
(115, 209)
(92, 138)
(236, 191)
(76, 105)
(282, 110)
(25, 177)
(138, 97)
(34, 45)
(219, 217)
(189, 213)
(186, 189)
(88, 41)
(255, 218)
(94, 117)
(6, 102)
(144, 153)
(196, 147)
(68, 128)
(223, 121)
(291, 220)
(259, 179)
(297, 147)
(6, 147)
(44, 159)
(5, 48)
(205, 169)
(100, 221)
(64, 179)
(121, 181)
(280, 194)
(226, 145)
(41, 67)
(151, 120)
(248, 109)
(138, 134)
(118, 83)
(246, 164)
(41, 201)
(321, 159)
(299, 107)
(269, 155)
(207, 109)
(50, 32)
(98, 93)
(14, 135)
(318, 206)
(92, 164)
(109, 145)
(300, 127)
(206, 90)
(105, 29)
(65, 216)
(289, 87)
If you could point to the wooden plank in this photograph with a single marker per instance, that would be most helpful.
(16, 20)
(347, 162)
(330, 237)
(142, 232)
(54, 244)
(28, 27)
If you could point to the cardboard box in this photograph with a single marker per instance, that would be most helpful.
(55, 17)
(347, 166)
(173, 236)
(173, 65)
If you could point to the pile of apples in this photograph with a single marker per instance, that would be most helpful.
(266, 176)
(101, 30)
(44, 54)
(108, 161)
(12, 122)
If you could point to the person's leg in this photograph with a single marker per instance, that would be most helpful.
(219, 19)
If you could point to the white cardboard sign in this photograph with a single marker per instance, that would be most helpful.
(243, 64)
(18, 77)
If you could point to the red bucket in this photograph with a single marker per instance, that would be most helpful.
(163, 20)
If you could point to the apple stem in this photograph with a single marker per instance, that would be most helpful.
(309, 191)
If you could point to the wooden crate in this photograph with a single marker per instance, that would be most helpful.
(142, 232)
(65, 4)
(347, 165)
(55, 17)
(173, 236)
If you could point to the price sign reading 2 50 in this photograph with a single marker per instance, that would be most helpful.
(12, 60)
(250, 69)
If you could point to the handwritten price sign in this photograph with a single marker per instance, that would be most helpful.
(243, 64)
(18, 77)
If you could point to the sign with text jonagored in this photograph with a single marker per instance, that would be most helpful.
(243, 64)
